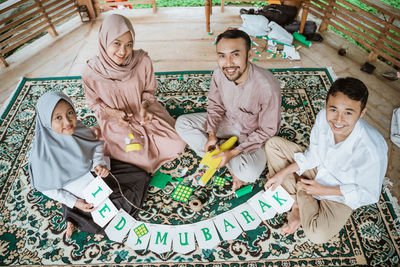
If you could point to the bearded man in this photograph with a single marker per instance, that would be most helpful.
(244, 101)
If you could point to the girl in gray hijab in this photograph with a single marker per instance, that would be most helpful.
(64, 151)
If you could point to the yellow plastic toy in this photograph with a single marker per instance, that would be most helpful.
(131, 147)
(212, 163)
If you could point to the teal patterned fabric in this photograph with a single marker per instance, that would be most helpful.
(32, 226)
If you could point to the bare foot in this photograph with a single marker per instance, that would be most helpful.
(293, 222)
(70, 230)
(236, 183)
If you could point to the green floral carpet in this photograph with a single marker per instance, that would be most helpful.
(32, 228)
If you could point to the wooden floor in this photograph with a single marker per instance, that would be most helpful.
(176, 40)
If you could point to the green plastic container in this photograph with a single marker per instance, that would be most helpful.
(301, 39)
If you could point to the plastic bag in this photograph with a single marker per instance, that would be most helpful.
(279, 33)
(255, 25)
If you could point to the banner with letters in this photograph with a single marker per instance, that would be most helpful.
(182, 238)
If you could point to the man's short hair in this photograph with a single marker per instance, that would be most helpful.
(235, 34)
(351, 87)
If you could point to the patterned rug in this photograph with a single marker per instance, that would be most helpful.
(32, 226)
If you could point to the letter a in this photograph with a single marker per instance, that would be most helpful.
(226, 223)
(263, 204)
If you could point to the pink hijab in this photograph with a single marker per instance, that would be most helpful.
(113, 27)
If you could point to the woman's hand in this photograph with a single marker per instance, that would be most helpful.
(101, 171)
(145, 115)
(83, 205)
(122, 117)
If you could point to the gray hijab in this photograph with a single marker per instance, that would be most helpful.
(56, 159)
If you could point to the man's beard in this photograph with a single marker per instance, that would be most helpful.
(239, 74)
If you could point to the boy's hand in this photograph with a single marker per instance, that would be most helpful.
(274, 181)
(314, 188)
(84, 206)
(101, 171)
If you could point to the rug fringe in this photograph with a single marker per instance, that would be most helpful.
(4, 106)
(387, 185)
(332, 73)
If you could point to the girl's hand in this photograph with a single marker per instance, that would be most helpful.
(83, 205)
(101, 171)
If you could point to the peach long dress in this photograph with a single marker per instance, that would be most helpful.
(125, 88)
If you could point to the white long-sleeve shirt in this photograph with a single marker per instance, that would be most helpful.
(357, 165)
(70, 193)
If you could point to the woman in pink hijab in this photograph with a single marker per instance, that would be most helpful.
(120, 85)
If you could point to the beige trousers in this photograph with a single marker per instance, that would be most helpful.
(320, 219)
(246, 167)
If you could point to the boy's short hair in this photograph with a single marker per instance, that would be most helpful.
(235, 34)
(351, 87)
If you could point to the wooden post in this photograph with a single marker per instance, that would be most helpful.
(208, 4)
(304, 15)
(51, 29)
(154, 6)
(90, 7)
(3, 61)
(327, 14)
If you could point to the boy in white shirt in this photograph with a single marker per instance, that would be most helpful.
(342, 169)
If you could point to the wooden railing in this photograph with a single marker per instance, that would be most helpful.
(104, 5)
(379, 33)
(27, 19)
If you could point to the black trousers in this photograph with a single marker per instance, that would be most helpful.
(133, 181)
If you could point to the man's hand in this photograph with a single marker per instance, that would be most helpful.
(314, 188)
(84, 206)
(101, 171)
(211, 142)
(146, 116)
(275, 180)
(226, 156)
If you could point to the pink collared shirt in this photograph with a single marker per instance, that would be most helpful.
(253, 107)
